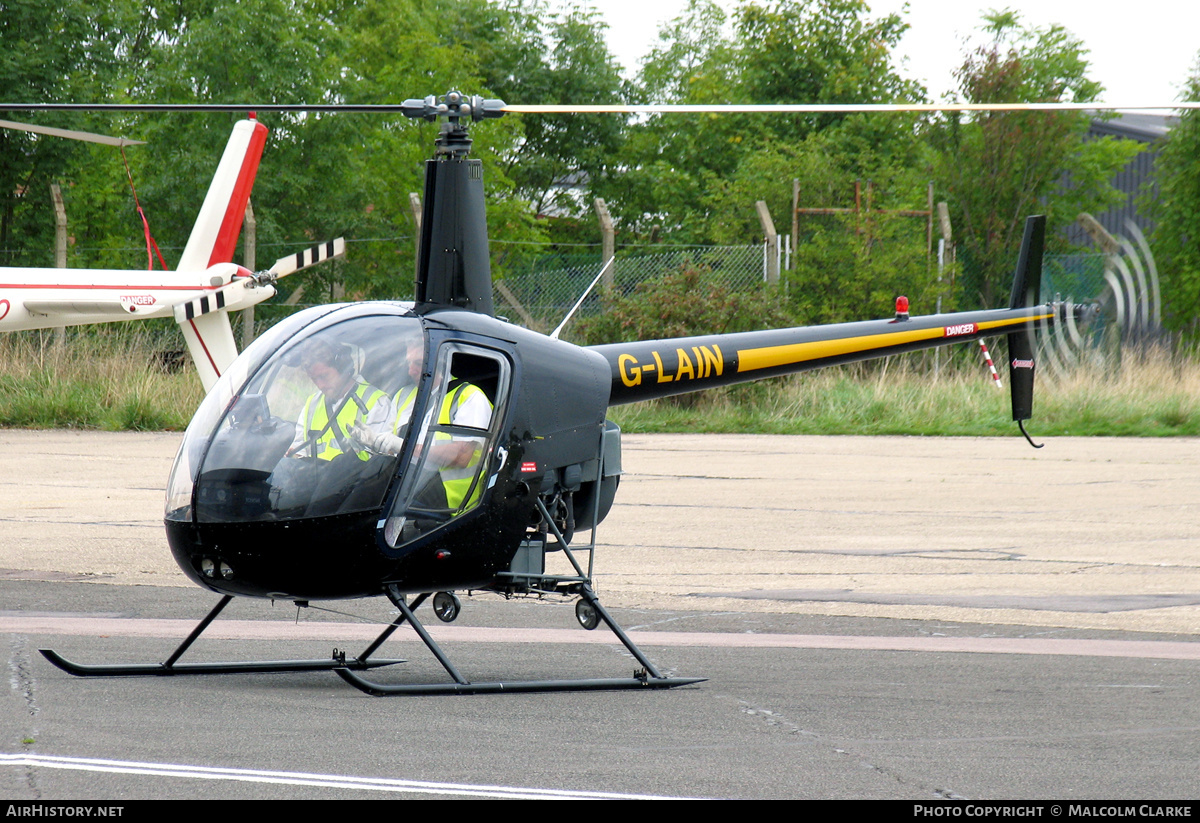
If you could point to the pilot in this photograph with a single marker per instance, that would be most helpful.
(344, 402)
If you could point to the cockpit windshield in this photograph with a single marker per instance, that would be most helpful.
(311, 427)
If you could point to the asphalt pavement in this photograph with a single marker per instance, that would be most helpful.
(913, 618)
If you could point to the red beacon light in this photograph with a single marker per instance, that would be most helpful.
(901, 308)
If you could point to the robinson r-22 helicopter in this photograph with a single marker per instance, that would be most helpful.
(205, 286)
(331, 459)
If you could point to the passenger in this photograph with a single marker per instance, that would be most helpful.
(455, 456)
(391, 440)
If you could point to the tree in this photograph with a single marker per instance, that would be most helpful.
(545, 56)
(1176, 240)
(787, 51)
(70, 55)
(321, 175)
(999, 167)
(402, 49)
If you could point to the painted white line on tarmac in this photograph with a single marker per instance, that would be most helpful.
(13, 623)
(375, 784)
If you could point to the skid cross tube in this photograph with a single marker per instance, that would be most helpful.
(406, 612)
(170, 667)
(646, 678)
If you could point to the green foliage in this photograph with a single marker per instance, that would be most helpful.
(766, 175)
(822, 51)
(825, 51)
(853, 267)
(48, 55)
(555, 56)
(1176, 240)
(1000, 167)
(696, 178)
(691, 301)
(321, 175)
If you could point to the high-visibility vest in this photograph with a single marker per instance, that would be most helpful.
(403, 402)
(336, 435)
(456, 479)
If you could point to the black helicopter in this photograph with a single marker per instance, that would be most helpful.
(412, 450)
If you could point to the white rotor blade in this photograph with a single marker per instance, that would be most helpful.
(85, 136)
(309, 257)
(837, 108)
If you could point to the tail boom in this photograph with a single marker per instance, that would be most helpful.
(661, 368)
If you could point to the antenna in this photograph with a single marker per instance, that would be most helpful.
(582, 297)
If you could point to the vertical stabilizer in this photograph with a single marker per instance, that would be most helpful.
(1026, 290)
(209, 339)
(214, 237)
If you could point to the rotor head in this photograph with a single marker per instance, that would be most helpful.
(456, 110)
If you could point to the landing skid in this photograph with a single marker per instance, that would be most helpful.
(648, 677)
(169, 667)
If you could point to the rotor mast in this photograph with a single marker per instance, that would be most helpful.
(453, 266)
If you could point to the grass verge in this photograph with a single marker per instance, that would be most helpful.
(110, 379)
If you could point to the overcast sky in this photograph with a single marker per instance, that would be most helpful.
(1141, 52)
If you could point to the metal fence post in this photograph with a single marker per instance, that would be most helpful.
(250, 250)
(60, 248)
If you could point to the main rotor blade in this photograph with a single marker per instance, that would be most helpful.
(676, 108)
(85, 136)
(835, 108)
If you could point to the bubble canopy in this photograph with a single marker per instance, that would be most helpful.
(305, 423)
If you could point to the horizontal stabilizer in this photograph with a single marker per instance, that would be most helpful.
(77, 307)
(214, 301)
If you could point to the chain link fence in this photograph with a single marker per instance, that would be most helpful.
(540, 294)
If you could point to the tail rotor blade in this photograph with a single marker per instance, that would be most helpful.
(309, 257)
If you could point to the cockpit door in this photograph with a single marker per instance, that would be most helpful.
(451, 457)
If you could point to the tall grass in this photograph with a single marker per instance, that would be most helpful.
(108, 379)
